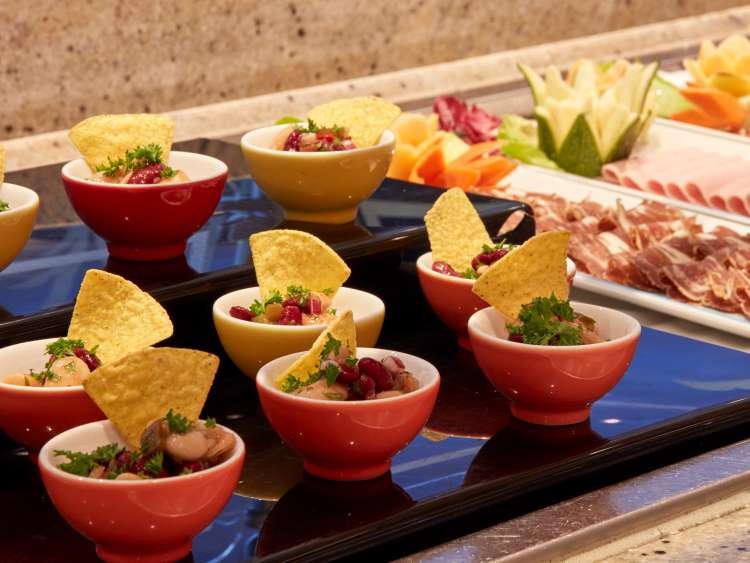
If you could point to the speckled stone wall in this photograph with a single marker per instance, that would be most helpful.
(63, 60)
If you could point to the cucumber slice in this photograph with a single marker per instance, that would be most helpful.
(546, 136)
(578, 153)
(535, 82)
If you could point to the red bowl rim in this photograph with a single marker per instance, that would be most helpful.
(129, 187)
(493, 341)
(269, 368)
(45, 464)
(388, 138)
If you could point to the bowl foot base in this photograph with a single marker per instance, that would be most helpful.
(347, 473)
(337, 217)
(144, 252)
(550, 417)
(160, 554)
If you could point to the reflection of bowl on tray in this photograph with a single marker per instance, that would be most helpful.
(319, 187)
(33, 415)
(554, 384)
(250, 344)
(147, 221)
(337, 507)
(452, 299)
(145, 520)
(522, 446)
(348, 440)
(17, 222)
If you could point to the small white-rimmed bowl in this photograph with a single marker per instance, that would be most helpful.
(147, 221)
(554, 385)
(17, 222)
(150, 520)
(318, 187)
(349, 440)
(250, 345)
(33, 415)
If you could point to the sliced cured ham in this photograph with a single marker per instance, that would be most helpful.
(654, 247)
(691, 175)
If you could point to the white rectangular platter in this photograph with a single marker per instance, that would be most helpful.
(527, 179)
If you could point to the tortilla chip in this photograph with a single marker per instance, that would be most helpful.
(141, 387)
(455, 230)
(365, 118)
(114, 314)
(101, 137)
(342, 329)
(283, 258)
(537, 268)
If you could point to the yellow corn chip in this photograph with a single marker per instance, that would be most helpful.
(342, 329)
(111, 136)
(455, 230)
(365, 118)
(2, 165)
(283, 258)
(114, 314)
(141, 387)
(535, 269)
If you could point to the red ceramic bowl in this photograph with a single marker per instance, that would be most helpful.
(147, 222)
(554, 385)
(348, 440)
(452, 299)
(33, 415)
(148, 521)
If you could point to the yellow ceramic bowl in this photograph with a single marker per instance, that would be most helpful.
(251, 345)
(17, 222)
(320, 187)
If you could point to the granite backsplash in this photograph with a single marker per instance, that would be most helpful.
(63, 61)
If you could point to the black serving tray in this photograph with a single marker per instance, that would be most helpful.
(38, 289)
(471, 455)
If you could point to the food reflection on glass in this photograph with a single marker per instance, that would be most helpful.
(298, 275)
(169, 446)
(127, 148)
(111, 318)
(331, 371)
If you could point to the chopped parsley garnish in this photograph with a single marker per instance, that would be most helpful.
(327, 291)
(210, 422)
(139, 157)
(44, 376)
(154, 463)
(332, 311)
(331, 373)
(331, 345)
(470, 273)
(301, 294)
(291, 384)
(351, 361)
(547, 321)
(259, 308)
(81, 463)
(168, 172)
(64, 347)
(310, 127)
(178, 423)
(4, 205)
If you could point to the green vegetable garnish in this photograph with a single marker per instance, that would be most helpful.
(291, 384)
(168, 172)
(331, 345)
(287, 119)
(210, 422)
(154, 464)
(327, 291)
(470, 273)
(301, 294)
(331, 373)
(4, 205)
(541, 322)
(82, 463)
(259, 308)
(139, 157)
(63, 347)
(178, 423)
